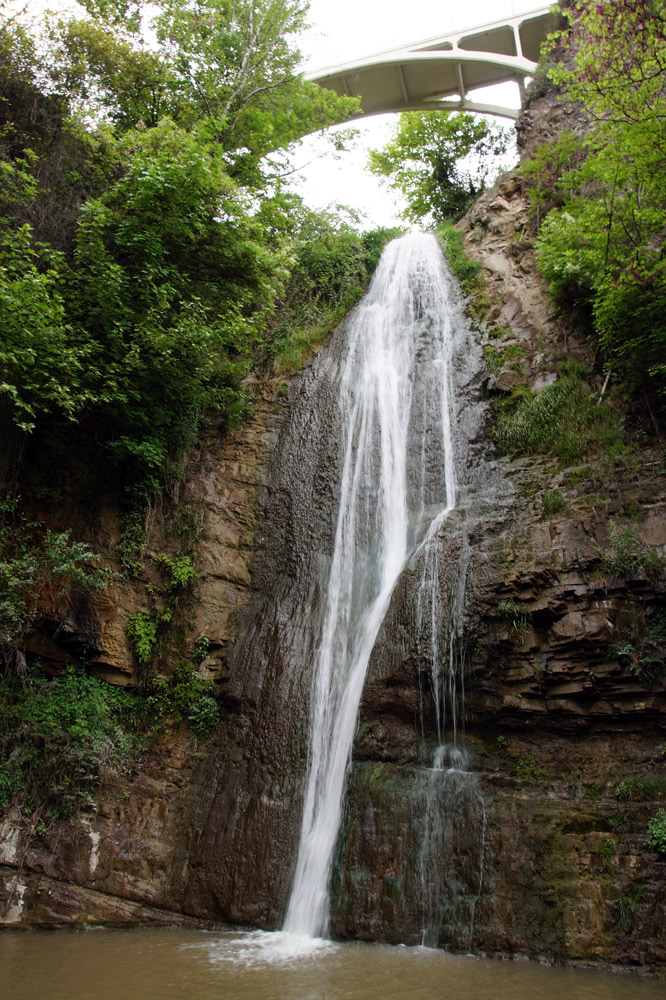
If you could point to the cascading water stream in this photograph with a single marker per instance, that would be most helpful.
(454, 833)
(398, 486)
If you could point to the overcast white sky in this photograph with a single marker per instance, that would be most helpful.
(345, 29)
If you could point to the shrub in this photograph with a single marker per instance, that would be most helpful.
(630, 554)
(526, 769)
(37, 567)
(60, 737)
(607, 849)
(204, 716)
(468, 272)
(552, 502)
(562, 419)
(142, 629)
(656, 832)
(518, 620)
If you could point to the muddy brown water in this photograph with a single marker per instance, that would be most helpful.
(160, 965)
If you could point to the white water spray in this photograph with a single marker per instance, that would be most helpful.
(398, 485)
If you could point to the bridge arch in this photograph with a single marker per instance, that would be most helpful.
(439, 73)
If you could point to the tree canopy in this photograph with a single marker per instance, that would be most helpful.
(439, 161)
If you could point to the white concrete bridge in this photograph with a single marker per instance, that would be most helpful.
(440, 73)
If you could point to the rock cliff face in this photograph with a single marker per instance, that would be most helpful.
(560, 653)
(124, 860)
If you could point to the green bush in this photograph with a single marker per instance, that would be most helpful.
(640, 789)
(527, 769)
(38, 566)
(607, 849)
(518, 620)
(204, 716)
(331, 269)
(60, 737)
(630, 554)
(656, 832)
(142, 628)
(562, 419)
(468, 272)
(191, 699)
(144, 246)
(552, 502)
(601, 247)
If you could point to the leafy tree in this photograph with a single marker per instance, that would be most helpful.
(175, 280)
(619, 67)
(425, 160)
(146, 248)
(224, 68)
(603, 249)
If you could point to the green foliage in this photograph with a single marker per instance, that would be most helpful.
(331, 267)
(643, 645)
(59, 738)
(562, 419)
(177, 281)
(145, 628)
(622, 791)
(630, 554)
(187, 523)
(626, 905)
(619, 58)
(600, 249)
(38, 568)
(656, 832)
(595, 790)
(465, 270)
(41, 367)
(550, 173)
(552, 502)
(618, 820)
(226, 68)
(439, 161)
(526, 769)
(625, 910)
(607, 850)
(144, 236)
(640, 789)
(189, 698)
(518, 620)
(201, 649)
(180, 571)
(142, 628)
(204, 716)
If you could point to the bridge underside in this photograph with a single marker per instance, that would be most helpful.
(443, 73)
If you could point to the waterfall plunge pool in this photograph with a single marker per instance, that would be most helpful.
(164, 964)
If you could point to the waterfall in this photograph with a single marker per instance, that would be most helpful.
(398, 486)
(454, 819)
(453, 852)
